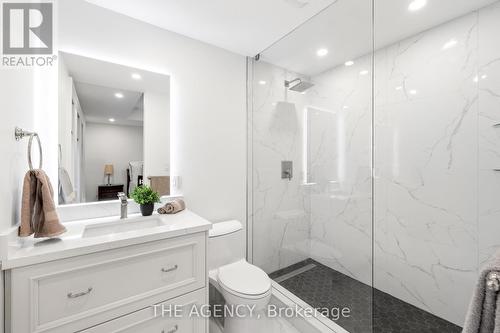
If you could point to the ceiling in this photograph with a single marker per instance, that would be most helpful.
(241, 26)
(345, 29)
(97, 82)
(249, 27)
(99, 105)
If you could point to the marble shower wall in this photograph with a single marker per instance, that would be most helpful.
(436, 195)
(280, 207)
(426, 153)
(488, 78)
(292, 220)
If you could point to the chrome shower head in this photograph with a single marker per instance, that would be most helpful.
(298, 85)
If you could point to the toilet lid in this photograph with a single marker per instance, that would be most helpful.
(244, 278)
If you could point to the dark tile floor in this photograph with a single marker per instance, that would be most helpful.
(371, 310)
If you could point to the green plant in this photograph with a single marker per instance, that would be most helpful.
(144, 195)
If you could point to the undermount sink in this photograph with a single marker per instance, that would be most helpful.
(120, 226)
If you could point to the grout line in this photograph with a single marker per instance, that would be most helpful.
(294, 273)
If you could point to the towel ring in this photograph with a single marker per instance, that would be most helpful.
(39, 150)
(19, 134)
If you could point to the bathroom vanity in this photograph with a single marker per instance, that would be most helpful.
(107, 275)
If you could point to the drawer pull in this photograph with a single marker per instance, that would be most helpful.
(170, 269)
(172, 330)
(83, 293)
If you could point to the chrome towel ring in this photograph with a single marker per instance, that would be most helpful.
(19, 134)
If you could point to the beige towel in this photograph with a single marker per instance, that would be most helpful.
(160, 184)
(38, 211)
(172, 207)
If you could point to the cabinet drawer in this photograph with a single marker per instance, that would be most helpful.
(104, 285)
(150, 321)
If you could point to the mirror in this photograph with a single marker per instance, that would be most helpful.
(113, 130)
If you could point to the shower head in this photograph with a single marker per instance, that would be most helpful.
(298, 85)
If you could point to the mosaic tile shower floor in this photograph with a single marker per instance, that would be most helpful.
(323, 287)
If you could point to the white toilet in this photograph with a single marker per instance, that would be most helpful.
(239, 282)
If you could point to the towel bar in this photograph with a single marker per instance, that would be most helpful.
(19, 134)
(493, 281)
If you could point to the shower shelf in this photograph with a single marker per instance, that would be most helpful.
(496, 125)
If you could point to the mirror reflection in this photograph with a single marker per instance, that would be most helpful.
(108, 113)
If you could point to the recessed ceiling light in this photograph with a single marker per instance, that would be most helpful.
(118, 95)
(417, 5)
(322, 52)
(484, 76)
(413, 92)
(449, 44)
(364, 72)
(399, 88)
(262, 82)
(136, 76)
(349, 63)
(111, 120)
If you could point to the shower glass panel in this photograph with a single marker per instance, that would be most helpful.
(310, 162)
(374, 150)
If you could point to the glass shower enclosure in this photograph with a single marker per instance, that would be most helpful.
(374, 150)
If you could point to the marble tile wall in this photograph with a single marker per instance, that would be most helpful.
(426, 152)
(340, 169)
(436, 194)
(488, 79)
(280, 207)
(292, 220)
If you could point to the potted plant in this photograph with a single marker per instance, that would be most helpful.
(146, 198)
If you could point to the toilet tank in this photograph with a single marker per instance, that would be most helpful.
(226, 243)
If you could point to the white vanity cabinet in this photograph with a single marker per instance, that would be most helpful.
(112, 290)
(149, 321)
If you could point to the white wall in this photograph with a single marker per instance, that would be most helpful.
(109, 144)
(208, 95)
(28, 100)
(156, 134)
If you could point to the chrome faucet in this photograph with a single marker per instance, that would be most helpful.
(124, 205)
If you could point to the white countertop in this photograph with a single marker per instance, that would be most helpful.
(29, 251)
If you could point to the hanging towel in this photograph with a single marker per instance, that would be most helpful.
(160, 184)
(38, 211)
(136, 169)
(172, 207)
(66, 192)
(484, 310)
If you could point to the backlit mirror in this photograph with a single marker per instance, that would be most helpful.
(109, 117)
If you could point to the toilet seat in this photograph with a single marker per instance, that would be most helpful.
(244, 280)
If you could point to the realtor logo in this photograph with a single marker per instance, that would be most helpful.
(27, 28)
